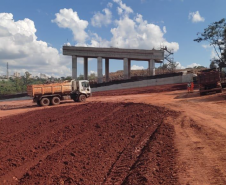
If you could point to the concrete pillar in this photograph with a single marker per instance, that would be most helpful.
(126, 68)
(99, 70)
(151, 67)
(85, 68)
(74, 67)
(107, 69)
(129, 68)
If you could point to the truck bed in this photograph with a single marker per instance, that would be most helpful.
(206, 78)
(53, 88)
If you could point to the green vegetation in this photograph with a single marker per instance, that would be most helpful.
(215, 35)
(19, 84)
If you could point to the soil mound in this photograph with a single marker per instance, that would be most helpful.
(93, 143)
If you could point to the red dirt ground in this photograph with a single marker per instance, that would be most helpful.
(94, 143)
(106, 140)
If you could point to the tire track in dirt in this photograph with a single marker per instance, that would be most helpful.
(127, 158)
(202, 153)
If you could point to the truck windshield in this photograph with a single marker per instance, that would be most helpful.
(85, 84)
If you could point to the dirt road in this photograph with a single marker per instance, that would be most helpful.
(189, 147)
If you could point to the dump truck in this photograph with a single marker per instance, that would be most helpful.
(209, 81)
(53, 93)
(223, 77)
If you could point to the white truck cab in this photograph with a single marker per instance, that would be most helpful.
(81, 86)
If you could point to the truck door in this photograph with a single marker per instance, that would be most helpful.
(85, 87)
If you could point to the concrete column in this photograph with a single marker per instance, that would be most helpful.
(74, 67)
(99, 70)
(151, 67)
(85, 68)
(107, 69)
(129, 68)
(126, 68)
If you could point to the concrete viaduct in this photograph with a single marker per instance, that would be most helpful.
(152, 56)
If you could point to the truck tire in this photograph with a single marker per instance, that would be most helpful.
(44, 102)
(82, 98)
(55, 100)
(219, 91)
(75, 100)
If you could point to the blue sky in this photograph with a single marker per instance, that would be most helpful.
(32, 32)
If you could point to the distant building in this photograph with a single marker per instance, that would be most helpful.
(43, 76)
(16, 74)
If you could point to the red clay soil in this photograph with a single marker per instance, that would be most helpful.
(143, 90)
(94, 143)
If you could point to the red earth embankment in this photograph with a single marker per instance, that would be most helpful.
(94, 143)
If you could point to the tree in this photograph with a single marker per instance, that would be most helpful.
(81, 77)
(172, 66)
(18, 84)
(164, 67)
(92, 76)
(215, 34)
(26, 78)
(213, 64)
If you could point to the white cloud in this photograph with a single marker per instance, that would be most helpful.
(21, 49)
(119, 10)
(206, 46)
(164, 29)
(135, 67)
(193, 65)
(122, 7)
(67, 18)
(138, 33)
(109, 5)
(128, 32)
(196, 17)
(100, 19)
(213, 54)
(92, 72)
(179, 66)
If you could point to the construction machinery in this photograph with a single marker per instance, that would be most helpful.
(53, 93)
(209, 81)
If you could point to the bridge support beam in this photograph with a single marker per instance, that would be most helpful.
(99, 70)
(85, 68)
(151, 67)
(126, 67)
(107, 69)
(74, 67)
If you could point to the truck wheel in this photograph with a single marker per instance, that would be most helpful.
(44, 102)
(220, 91)
(75, 100)
(55, 100)
(82, 98)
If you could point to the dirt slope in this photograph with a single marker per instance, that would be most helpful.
(91, 143)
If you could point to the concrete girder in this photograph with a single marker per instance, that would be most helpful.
(114, 53)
